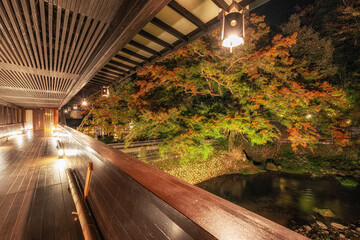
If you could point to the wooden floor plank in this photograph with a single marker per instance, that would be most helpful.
(34, 201)
(62, 230)
(48, 225)
(22, 218)
(7, 228)
(5, 208)
(36, 215)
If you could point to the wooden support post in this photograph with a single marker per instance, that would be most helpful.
(88, 178)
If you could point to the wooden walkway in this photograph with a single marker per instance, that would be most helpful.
(34, 200)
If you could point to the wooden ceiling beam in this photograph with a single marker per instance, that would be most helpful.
(116, 68)
(143, 47)
(31, 70)
(188, 15)
(155, 39)
(117, 74)
(128, 60)
(113, 69)
(221, 4)
(245, 3)
(106, 73)
(134, 54)
(105, 76)
(101, 81)
(122, 65)
(93, 82)
(30, 90)
(157, 22)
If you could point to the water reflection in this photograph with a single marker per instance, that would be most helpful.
(285, 197)
(307, 201)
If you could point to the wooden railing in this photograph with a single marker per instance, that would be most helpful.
(132, 200)
(10, 129)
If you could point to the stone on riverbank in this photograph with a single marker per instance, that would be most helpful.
(338, 225)
(324, 212)
(321, 225)
(271, 166)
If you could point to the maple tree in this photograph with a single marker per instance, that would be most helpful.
(202, 93)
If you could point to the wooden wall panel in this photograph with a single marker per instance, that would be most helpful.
(38, 119)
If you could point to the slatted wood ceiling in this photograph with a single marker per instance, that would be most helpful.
(44, 46)
(52, 49)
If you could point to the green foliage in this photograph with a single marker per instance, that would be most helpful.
(201, 95)
(311, 49)
(340, 22)
(347, 182)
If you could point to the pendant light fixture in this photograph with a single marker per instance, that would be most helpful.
(105, 92)
(233, 27)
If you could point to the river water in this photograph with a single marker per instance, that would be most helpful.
(288, 199)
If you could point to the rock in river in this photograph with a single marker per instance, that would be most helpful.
(322, 225)
(338, 225)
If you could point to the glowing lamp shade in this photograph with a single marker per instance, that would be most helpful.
(105, 92)
(233, 27)
(84, 103)
(60, 152)
(233, 41)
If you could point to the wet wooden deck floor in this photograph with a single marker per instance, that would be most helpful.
(34, 200)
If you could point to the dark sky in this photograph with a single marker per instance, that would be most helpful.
(278, 12)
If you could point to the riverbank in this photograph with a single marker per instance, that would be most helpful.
(325, 160)
(197, 171)
(316, 207)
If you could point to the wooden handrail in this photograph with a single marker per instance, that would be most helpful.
(87, 227)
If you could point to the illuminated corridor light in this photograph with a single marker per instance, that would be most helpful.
(60, 164)
(60, 152)
(60, 149)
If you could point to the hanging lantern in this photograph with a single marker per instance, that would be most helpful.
(84, 103)
(69, 109)
(233, 28)
(105, 92)
(75, 106)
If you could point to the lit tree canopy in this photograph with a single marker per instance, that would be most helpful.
(203, 92)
